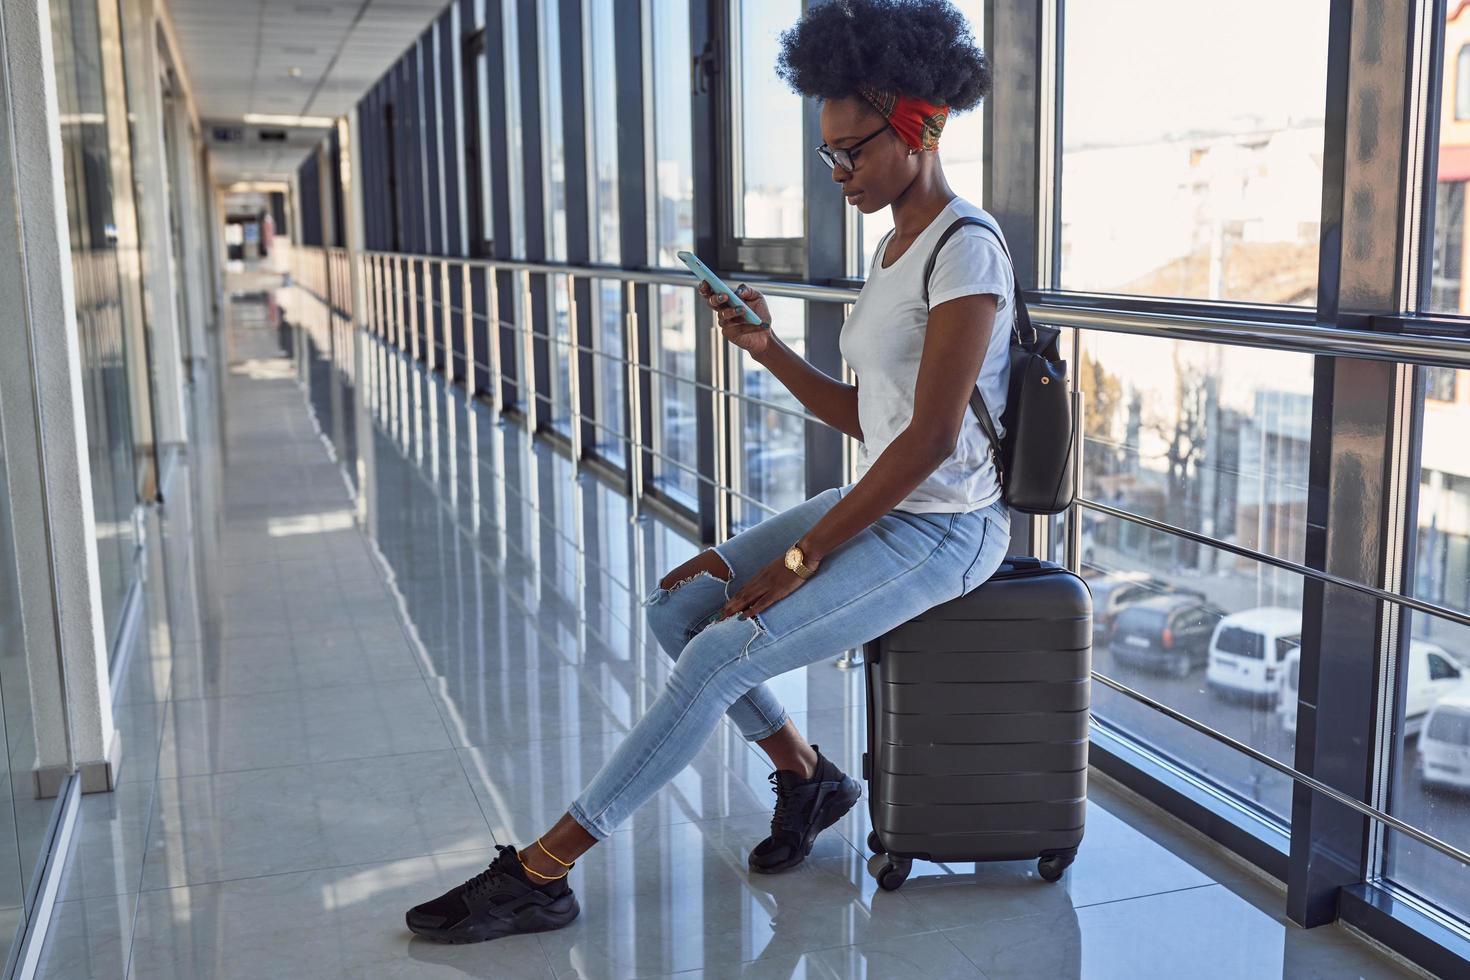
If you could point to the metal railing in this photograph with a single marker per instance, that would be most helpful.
(391, 291)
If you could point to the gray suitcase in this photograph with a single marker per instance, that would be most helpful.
(977, 726)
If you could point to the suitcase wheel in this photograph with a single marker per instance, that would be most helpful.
(1051, 865)
(874, 844)
(889, 872)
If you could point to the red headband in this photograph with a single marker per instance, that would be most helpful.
(916, 121)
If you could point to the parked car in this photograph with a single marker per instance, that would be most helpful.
(1433, 675)
(1113, 591)
(1248, 651)
(1444, 744)
(1167, 633)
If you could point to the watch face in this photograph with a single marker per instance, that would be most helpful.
(793, 558)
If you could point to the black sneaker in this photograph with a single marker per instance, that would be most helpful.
(804, 808)
(499, 901)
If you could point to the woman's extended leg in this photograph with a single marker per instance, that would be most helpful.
(896, 568)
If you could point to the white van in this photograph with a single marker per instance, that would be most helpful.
(1433, 674)
(1444, 745)
(1291, 682)
(1248, 651)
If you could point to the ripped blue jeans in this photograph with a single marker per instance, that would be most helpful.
(894, 569)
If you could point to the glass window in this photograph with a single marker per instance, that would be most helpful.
(1215, 440)
(1442, 569)
(1462, 82)
(1439, 384)
(1210, 438)
(601, 99)
(1433, 772)
(674, 435)
(768, 451)
(1447, 265)
(1225, 668)
(27, 681)
(961, 150)
(602, 188)
(482, 124)
(1215, 191)
(1447, 260)
(105, 387)
(554, 178)
(608, 379)
(559, 350)
(514, 149)
(673, 135)
(770, 159)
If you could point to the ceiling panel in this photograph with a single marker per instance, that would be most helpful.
(287, 57)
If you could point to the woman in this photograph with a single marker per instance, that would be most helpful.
(924, 522)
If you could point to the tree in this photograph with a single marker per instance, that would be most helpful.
(1104, 397)
(1184, 441)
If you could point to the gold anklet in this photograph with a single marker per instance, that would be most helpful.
(550, 855)
(540, 875)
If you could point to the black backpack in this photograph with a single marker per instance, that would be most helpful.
(1034, 460)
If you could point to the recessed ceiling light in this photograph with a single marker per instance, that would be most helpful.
(294, 71)
(270, 119)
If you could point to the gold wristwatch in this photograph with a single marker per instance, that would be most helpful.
(795, 561)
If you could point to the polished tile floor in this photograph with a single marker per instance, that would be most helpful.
(385, 633)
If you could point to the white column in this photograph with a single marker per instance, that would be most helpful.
(45, 423)
(125, 221)
(197, 315)
(160, 276)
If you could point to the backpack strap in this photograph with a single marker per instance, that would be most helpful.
(1021, 318)
(1022, 330)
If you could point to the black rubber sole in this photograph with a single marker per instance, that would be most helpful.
(834, 808)
(536, 918)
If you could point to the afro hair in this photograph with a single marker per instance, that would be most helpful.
(919, 48)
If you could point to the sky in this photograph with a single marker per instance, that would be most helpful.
(1137, 70)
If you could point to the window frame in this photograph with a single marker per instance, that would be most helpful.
(735, 250)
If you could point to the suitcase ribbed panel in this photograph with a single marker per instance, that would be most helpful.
(999, 787)
(978, 715)
(985, 697)
(990, 818)
(1039, 726)
(933, 666)
(956, 760)
(999, 636)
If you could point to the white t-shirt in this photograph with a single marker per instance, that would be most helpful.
(883, 340)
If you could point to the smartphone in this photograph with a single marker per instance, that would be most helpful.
(717, 284)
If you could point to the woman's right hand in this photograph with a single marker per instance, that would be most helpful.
(751, 337)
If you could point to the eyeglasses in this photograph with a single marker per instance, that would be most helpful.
(844, 157)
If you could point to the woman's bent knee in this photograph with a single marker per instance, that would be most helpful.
(716, 655)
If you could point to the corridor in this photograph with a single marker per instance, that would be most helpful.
(384, 633)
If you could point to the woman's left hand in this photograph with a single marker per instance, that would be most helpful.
(770, 585)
